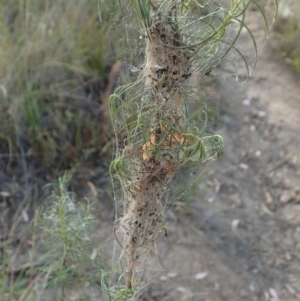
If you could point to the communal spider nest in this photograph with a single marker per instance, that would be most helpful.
(155, 134)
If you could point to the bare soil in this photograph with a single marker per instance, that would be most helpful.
(240, 239)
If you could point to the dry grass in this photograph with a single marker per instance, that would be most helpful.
(286, 38)
(53, 82)
(55, 77)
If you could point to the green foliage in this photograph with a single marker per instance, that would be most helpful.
(286, 38)
(70, 261)
(72, 258)
(114, 291)
(51, 53)
(204, 25)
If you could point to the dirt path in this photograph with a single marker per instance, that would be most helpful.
(241, 237)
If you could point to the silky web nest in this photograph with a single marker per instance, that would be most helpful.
(152, 118)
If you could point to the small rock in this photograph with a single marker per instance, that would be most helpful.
(261, 114)
(252, 287)
(180, 289)
(4, 194)
(217, 185)
(295, 160)
(244, 166)
(268, 198)
(234, 224)
(25, 216)
(288, 256)
(290, 289)
(252, 127)
(172, 275)
(201, 276)
(258, 153)
(273, 293)
(285, 197)
(267, 296)
(247, 102)
(211, 199)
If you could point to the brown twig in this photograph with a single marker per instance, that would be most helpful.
(30, 287)
(111, 81)
(25, 266)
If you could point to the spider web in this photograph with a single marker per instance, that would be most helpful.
(213, 57)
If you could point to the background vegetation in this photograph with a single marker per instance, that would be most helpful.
(286, 39)
(55, 61)
(55, 78)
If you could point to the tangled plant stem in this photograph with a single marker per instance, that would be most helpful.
(151, 116)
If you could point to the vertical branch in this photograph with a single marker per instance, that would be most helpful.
(155, 161)
(150, 119)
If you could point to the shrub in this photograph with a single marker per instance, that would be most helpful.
(155, 130)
